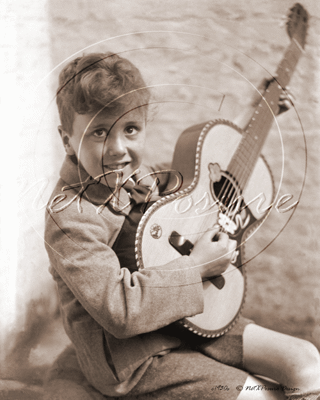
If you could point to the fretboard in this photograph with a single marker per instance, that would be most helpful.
(255, 134)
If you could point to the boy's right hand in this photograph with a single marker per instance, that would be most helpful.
(213, 257)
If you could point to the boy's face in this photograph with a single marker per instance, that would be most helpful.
(107, 143)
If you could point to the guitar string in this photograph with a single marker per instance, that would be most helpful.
(273, 93)
(234, 185)
(231, 189)
(244, 178)
(252, 151)
(228, 193)
(248, 151)
(256, 144)
(287, 65)
(228, 186)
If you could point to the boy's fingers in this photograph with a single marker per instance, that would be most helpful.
(286, 103)
(287, 94)
(286, 98)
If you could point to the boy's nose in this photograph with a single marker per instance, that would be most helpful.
(114, 145)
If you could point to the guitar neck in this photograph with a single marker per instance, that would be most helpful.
(255, 133)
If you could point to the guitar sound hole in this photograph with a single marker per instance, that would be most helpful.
(227, 193)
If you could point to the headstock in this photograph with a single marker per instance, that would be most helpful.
(297, 24)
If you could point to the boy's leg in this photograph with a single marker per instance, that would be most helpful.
(293, 362)
(259, 389)
(188, 374)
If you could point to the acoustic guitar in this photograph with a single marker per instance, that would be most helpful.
(225, 182)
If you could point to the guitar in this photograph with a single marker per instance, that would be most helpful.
(225, 181)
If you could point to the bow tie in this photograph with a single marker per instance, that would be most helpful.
(137, 193)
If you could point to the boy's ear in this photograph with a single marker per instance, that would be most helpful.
(65, 136)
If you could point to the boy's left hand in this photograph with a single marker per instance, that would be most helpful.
(286, 98)
(285, 101)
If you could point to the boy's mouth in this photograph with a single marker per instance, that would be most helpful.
(116, 167)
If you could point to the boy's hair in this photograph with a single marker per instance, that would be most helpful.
(89, 83)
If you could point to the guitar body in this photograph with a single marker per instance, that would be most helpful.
(177, 221)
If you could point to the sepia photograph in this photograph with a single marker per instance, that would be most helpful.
(159, 200)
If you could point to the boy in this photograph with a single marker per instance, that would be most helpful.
(118, 318)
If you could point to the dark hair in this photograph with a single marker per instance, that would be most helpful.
(89, 83)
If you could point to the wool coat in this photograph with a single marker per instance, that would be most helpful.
(112, 316)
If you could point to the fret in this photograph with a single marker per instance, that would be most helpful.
(288, 63)
(255, 135)
(245, 169)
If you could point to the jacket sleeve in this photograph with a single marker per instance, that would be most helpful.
(124, 304)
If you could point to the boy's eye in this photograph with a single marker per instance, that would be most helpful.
(100, 133)
(131, 130)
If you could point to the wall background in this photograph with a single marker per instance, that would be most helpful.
(195, 54)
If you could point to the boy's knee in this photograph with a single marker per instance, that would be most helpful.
(310, 353)
(308, 365)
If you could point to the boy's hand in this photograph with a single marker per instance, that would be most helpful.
(285, 99)
(285, 103)
(213, 257)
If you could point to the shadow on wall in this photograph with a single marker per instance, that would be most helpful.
(35, 348)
